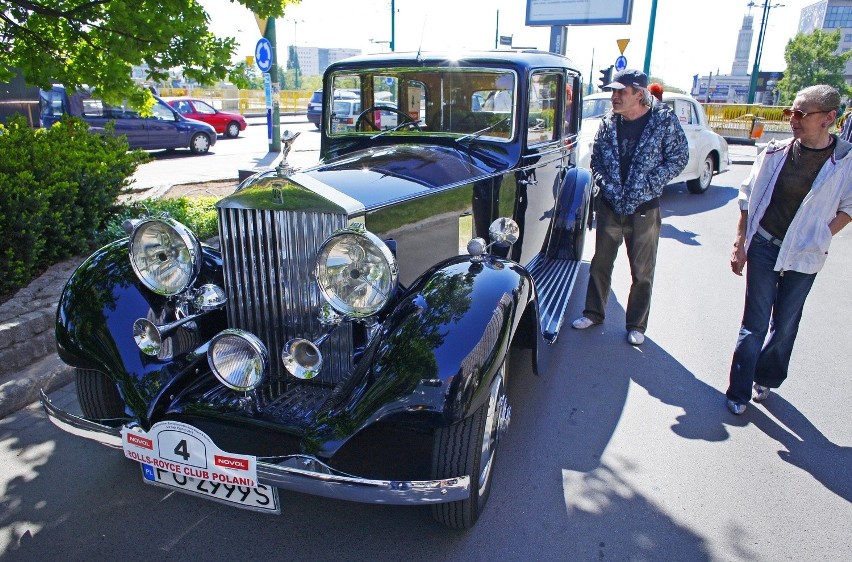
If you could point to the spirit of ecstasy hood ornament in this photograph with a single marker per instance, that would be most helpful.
(287, 139)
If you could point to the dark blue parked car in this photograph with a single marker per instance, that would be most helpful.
(350, 337)
(165, 128)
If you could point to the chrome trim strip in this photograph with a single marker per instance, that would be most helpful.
(352, 206)
(318, 480)
(81, 427)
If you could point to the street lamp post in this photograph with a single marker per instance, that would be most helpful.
(296, 54)
(755, 71)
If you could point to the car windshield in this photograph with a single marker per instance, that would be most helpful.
(596, 107)
(453, 102)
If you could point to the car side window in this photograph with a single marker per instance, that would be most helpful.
(162, 112)
(545, 92)
(93, 108)
(203, 108)
(684, 111)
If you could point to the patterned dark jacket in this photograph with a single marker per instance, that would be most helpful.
(660, 156)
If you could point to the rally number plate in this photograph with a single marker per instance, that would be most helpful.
(262, 498)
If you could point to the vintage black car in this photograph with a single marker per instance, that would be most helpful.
(350, 336)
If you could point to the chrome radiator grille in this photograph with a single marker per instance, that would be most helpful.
(269, 259)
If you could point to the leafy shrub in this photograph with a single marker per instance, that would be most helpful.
(57, 188)
(198, 214)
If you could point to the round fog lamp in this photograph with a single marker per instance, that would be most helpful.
(238, 359)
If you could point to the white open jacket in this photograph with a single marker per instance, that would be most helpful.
(805, 247)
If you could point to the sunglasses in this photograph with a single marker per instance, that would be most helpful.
(799, 114)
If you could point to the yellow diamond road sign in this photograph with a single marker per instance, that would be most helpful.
(622, 44)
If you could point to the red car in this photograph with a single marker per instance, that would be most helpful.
(229, 124)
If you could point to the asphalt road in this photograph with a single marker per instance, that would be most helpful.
(614, 452)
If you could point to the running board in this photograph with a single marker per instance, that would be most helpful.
(554, 281)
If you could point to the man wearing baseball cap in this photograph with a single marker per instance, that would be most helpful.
(639, 148)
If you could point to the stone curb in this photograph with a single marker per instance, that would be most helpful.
(48, 373)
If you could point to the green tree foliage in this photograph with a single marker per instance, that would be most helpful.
(57, 187)
(812, 59)
(96, 42)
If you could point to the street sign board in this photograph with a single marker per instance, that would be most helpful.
(578, 12)
(263, 54)
(621, 63)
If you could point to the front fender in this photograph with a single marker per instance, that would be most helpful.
(440, 347)
(572, 215)
(94, 324)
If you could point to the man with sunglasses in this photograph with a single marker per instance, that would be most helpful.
(639, 148)
(798, 195)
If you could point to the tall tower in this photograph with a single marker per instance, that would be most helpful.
(740, 67)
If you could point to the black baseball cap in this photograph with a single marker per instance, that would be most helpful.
(628, 77)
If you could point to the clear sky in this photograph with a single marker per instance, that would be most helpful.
(691, 36)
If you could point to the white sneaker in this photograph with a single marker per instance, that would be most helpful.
(635, 337)
(582, 323)
(735, 407)
(761, 392)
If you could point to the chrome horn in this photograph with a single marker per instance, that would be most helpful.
(302, 358)
(149, 337)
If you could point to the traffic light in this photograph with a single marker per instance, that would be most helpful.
(606, 77)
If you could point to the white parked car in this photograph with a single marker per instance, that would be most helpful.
(708, 151)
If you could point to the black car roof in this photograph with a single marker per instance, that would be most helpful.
(520, 59)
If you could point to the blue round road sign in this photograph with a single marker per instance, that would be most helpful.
(263, 54)
(621, 63)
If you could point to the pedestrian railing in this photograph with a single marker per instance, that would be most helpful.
(746, 121)
(246, 102)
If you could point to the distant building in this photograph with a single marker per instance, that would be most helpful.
(314, 60)
(733, 87)
(829, 15)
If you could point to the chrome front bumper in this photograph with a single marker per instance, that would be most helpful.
(298, 473)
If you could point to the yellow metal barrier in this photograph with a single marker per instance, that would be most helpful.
(246, 102)
(746, 121)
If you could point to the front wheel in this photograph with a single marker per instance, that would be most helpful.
(468, 448)
(702, 182)
(98, 396)
(232, 131)
(199, 144)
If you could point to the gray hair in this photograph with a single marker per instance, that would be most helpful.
(647, 96)
(825, 97)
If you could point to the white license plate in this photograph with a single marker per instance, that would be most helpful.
(263, 498)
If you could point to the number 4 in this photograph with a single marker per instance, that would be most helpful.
(182, 450)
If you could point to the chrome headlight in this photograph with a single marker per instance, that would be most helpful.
(356, 272)
(165, 255)
(238, 359)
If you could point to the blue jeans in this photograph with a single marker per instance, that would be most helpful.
(773, 302)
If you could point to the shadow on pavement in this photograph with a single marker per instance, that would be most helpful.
(806, 447)
(677, 201)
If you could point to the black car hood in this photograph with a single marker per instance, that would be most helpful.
(378, 175)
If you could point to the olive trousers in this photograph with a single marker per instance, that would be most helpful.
(641, 235)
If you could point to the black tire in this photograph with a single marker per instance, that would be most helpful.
(98, 395)
(700, 184)
(458, 450)
(232, 131)
(199, 144)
